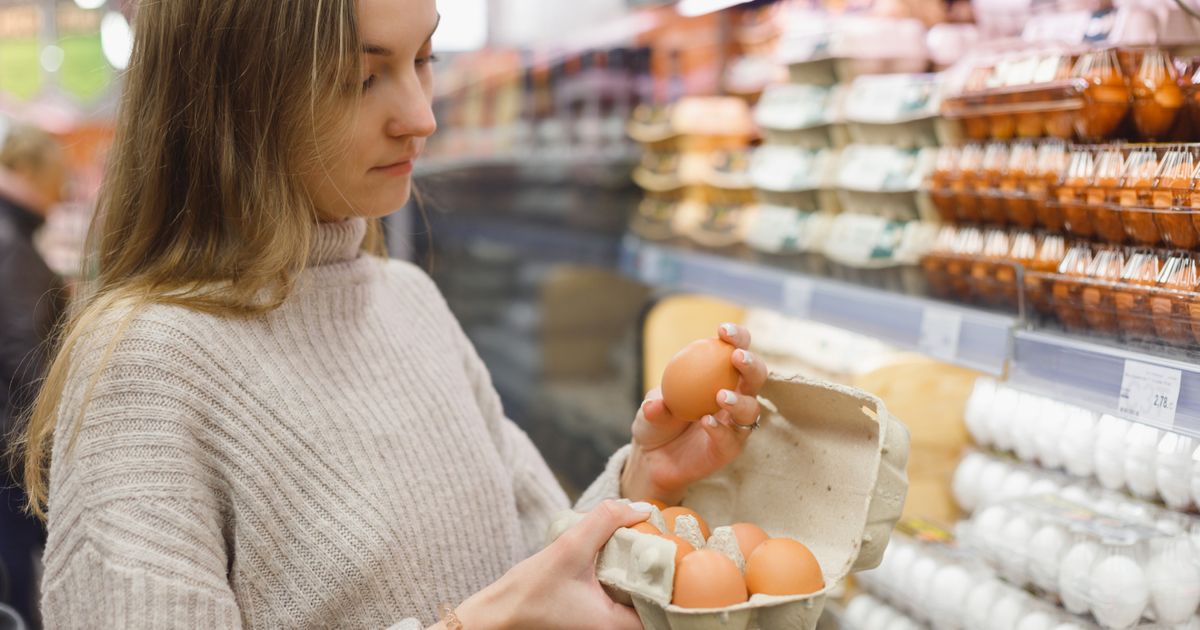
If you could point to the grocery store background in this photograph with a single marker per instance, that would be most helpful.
(985, 212)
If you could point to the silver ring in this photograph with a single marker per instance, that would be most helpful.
(749, 427)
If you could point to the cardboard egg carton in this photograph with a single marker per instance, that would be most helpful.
(826, 468)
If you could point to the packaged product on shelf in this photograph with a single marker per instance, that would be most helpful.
(821, 50)
(894, 109)
(1172, 199)
(1157, 97)
(1107, 96)
(877, 251)
(1052, 162)
(967, 183)
(1132, 297)
(945, 169)
(991, 204)
(1099, 309)
(1120, 569)
(639, 569)
(1172, 303)
(884, 180)
(798, 115)
(1072, 192)
(1101, 196)
(1137, 180)
(1015, 185)
(793, 176)
(1026, 95)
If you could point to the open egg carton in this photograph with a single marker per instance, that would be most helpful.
(1146, 462)
(694, 170)
(1122, 568)
(827, 468)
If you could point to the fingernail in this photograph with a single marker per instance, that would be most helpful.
(730, 329)
(641, 506)
(729, 397)
(747, 358)
(710, 421)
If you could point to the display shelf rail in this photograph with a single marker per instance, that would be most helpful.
(1160, 391)
(969, 337)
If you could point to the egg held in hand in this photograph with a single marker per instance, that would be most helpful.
(707, 579)
(781, 566)
(694, 377)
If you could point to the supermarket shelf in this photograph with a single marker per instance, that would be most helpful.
(964, 336)
(1094, 376)
(541, 241)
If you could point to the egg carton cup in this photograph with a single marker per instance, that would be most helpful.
(827, 468)
(1118, 568)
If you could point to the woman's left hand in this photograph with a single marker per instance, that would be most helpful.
(669, 453)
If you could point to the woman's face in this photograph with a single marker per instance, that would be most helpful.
(370, 173)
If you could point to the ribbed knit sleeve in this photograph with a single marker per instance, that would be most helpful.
(135, 515)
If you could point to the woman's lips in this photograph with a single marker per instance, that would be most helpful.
(396, 170)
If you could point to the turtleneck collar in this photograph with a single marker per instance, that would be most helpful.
(337, 242)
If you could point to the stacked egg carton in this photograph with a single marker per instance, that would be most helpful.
(846, 147)
(941, 584)
(1120, 455)
(694, 170)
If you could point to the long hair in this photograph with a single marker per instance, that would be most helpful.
(226, 104)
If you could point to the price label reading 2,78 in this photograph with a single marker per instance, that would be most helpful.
(1149, 392)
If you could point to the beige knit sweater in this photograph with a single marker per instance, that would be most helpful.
(341, 462)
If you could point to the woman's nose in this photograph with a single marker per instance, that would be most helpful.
(412, 116)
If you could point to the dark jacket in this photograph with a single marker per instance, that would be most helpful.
(31, 303)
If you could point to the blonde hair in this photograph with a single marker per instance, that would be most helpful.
(27, 149)
(226, 103)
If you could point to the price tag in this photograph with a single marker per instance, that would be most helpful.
(940, 330)
(1149, 392)
(797, 297)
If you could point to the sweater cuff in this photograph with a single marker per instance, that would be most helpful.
(408, 624)
(608, 484)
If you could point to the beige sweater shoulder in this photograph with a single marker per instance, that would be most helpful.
(343, 461)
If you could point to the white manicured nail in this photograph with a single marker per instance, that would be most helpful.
(641, 506)
(710, 421)
(747, 358)
(729, 397)
(730, 329)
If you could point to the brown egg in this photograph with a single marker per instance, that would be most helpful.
(749, 536)
(781, 566)
(693, 378)
(682, 547)
(707, 579)
(672, 513)
(646, 528)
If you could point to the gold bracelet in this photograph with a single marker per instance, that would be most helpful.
(449, 619)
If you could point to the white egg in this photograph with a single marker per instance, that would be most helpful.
(1190, 624)
(987, 527)
(920, 581)
(1174, 584)
(858, 609)
(965, 484)
(1073, 576)
(902, 563)
(1196, 476)
(1045, 485)
(991, 478)
(976, 413)
(1016, 535)
(1048, 437)
(1141, 456)
(1016, 484)
(1110, 452)
(1036, 620)
(1068, 626)
(1026, 423)
(1076, 494)
(1173, 470)
(951, 585)
(880, 618)
(902, 623)
(1046, 551)
(1119, 592)
(1078, 442)
(979, 603)
(1008, 611)
(1001, 416)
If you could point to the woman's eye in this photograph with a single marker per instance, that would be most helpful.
(427, 59)
(366, 84)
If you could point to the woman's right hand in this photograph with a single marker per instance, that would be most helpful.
(557, 587)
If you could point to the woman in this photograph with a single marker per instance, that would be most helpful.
(32, 175)
(254, 424)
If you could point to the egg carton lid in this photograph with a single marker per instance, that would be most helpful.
(826, 468)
